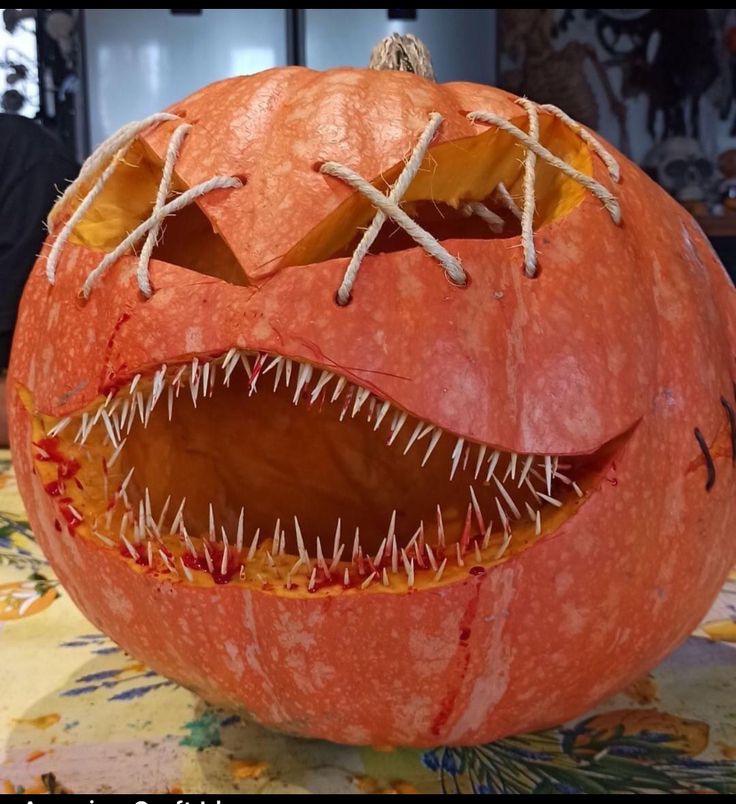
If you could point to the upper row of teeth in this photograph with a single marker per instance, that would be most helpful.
(120, 408)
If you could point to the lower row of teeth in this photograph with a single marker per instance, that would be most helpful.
(225, 558)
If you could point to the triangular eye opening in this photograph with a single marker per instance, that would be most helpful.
(186, 239)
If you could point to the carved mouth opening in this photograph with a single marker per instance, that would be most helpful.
(252, 468)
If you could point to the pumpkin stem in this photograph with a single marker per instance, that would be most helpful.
(405, 53)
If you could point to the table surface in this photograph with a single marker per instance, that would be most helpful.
(78, 714)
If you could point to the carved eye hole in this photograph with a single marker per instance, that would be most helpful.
(186, 239)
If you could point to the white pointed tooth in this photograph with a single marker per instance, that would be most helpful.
(188, 574)
(504, 545)
(225, 558)
(538, 523)
(205, 377)
(369, 580)
(269, 559)
(257, 371)
(479, 462)
(440, 571)
(379, 554)
(346, 578)
(129, 547)
(104, 539)
(577, 489)
(133, 383)
(188, 543)
(384, 577)
(530, 512)
(287, 372)
(277, 536)
(548, 472)
(116, 454)
(413, 540)
(208, 558)
(140, 406)
(277, 376)
(360, 397)
(225, 539)
(502, 514)
(305, 372)
(149, 552)
(300, 540)
(123, 524)
(109, 428)
(564, 478)
(411, 574)
(179, 516)
(312, 580)
(440, 528)
(170, 402)
(397, 428)
(459, 555)
(551, 500)
(512, 465)
(212, 534)
(507, 498)
(179, 374)
(162, 516)
(531, 488)
(229, 357)
(492, 463)
(430, 556)
(456, 454)
(59, 426)
(324, 378)
(336, 558)
(432, 444)
(232, 364)
(356, 544)
(487, 536)
(525, 470)
(414, 437)
(275, 360)
(466, 455)
(382, 411)
(245, 362)
(240, 531)
(320, 555)
(338, 389)
(253, 546)
(405, 561)
(336, 541)
(476, 548)
(476, 509)
(82, 428)
(125, 482)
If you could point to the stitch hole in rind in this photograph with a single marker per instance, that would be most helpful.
(340, 303)
(709, 464)
(462, 284)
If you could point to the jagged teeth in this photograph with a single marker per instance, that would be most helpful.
(537, 475)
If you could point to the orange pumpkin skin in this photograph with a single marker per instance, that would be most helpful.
(627, 328)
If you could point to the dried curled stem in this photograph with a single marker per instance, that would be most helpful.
(405, 53)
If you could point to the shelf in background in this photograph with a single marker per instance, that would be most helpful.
(718, 225)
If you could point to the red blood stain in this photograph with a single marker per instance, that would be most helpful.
(460, 664)
(57, 526)
(54, 488)
(72, 519)
(477, 571)
(66, 467)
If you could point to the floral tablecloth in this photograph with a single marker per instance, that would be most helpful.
(78, 714)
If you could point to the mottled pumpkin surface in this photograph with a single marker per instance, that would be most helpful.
(610, 359)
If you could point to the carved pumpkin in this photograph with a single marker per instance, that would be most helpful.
(469, 489)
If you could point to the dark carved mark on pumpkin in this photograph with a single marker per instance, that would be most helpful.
(732, 424)
(710, 465)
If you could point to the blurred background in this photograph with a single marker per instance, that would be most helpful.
(658, 84)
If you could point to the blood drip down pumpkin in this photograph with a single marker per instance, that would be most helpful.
(388, 411)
